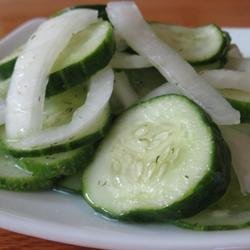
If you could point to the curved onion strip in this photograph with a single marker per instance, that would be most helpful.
(227, 79)
(128, 21)
(240, 64)
(123, 91)
(164, 89)
(123, 60)
(100, 90)
(239, 144)
(26, 94)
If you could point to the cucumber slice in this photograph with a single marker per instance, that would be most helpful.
(240, 100)
(13, 177)
(87, 125)
(197, 45)
(58, 109)
(163, 159)
(70, 184)
(88, 51)
(231, 212)
(91, 135)
(66, 163)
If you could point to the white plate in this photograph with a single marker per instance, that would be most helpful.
(68, 219)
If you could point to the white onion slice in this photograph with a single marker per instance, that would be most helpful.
(128, 21)
(164, 89)
(240, 64)
(239, 144)
(122, 60)
(100, 90)
(227, 79)
(123, 91)
(26, 94)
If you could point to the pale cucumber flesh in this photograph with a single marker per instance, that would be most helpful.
(13, 177)
(196, 45)
(155, 156)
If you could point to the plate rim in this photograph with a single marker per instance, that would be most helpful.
(101, 239)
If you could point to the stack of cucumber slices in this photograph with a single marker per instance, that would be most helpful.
(142, 119)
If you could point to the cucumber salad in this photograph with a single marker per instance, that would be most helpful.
(146, 121)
